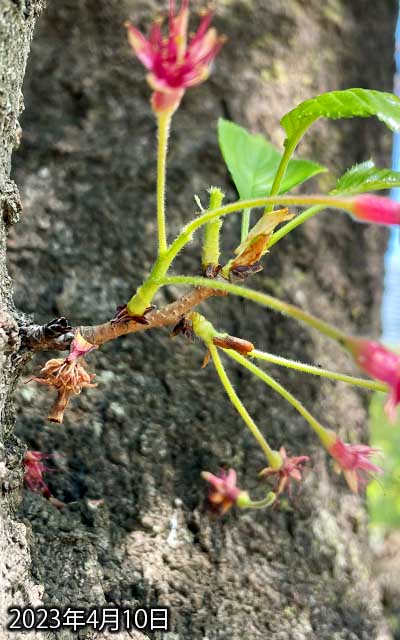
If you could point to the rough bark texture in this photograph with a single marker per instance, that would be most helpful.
(129, 456)
(16, 27)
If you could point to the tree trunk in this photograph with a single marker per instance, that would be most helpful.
(129, 454)
(17, 19)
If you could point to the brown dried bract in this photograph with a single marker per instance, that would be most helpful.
(184, 328)
(243, 347)
(206, 359)
(243, 272)
(253, 247)
(122, 315)
(212, 270)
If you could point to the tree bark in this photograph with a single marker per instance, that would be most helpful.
(17, 19)
(129, 454)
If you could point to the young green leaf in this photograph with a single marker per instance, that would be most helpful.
(350, 103)
(366, 177)
(252, 162)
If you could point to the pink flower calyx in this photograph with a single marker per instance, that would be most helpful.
(380, 363)
(34, 470)
(354, 461)
(173, 63)
(377, 209)
(80, 347)
(223, 492)
(291, 469)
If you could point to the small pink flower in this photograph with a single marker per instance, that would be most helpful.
(370, 208)
(224, 492)
(354, 461)
(290, 470)
(380, 363)
(34, 470)
(175, 64)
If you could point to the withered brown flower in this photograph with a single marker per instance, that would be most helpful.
(69, 378)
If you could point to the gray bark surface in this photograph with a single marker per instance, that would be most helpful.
(128, 457)
(16, 586)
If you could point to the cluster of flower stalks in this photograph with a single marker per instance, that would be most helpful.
(175, 63)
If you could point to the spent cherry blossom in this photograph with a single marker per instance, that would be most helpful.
(290, 470)
(377, 209)
(224, 492)
(354, 461)
(174, 63)
(68, 378)
(380, 363)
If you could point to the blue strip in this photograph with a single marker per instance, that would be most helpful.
(390, 312)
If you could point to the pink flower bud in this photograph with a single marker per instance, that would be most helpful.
(377, 209)
(380, 363)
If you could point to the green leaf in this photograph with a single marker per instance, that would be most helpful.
(366, 177)
(252, 162)
(350, 103)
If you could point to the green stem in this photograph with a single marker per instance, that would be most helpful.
(245, 224)
(317, 371)
(262, 299)
(314, 424)
(234, 398)
(297, 221)
(210, 250)
(144, 295)
(247, 503)
(346, 204)
(164, 122)
(290, 146)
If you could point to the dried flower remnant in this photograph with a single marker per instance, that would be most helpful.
(380, 363)
(354, 461)
(291, 469)
(175, 64)
(68, 376)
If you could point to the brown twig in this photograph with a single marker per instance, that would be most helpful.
(38, 338)
(170, 314)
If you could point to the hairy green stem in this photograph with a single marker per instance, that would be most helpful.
(314, 424)
(210, 250)
(290, 146)
(346, 204)
(247, 503)
(234, 398)
(317, 371)
(144, 295)
(262, 299)
(164, 122)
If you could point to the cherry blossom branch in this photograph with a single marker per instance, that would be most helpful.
(36, 338)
